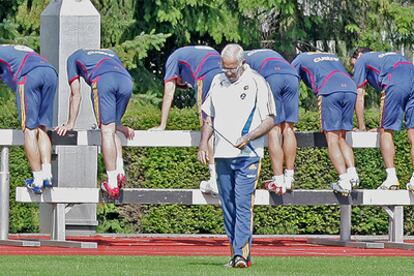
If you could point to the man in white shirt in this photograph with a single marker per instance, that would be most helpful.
(240, 109)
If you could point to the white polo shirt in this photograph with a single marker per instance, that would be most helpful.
(237, 108)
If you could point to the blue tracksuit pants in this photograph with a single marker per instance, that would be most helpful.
(237, 180)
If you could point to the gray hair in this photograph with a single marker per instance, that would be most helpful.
(233, 51)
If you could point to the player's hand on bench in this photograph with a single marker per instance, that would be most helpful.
(128, 132)
(61, 130)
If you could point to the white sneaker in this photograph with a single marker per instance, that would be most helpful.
(209, 187)
(354, 181)
(343, 187)
(389, 184)
(273, 186)
(289, 183)
(410, 186)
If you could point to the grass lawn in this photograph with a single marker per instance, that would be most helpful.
(136, 265)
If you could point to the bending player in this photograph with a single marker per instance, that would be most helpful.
(191, 66)
(34, 80)
(392, 74)
(336, 92)
(284, 82)
(111, 89)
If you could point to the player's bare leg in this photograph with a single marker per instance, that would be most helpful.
(31, 148)
(210, 186)
(109, 153)
(289, 150)
(277, 183)
(45, 149)
(388, 154)
(410, 132)
(343, 185)
(348, 155)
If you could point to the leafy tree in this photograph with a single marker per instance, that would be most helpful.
(382, 24)
(22, 24)
(191, 22)
(145, 32)
(9, 8)
(131, 44)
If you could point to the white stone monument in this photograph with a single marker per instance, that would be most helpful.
(67, 25)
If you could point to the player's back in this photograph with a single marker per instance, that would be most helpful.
(17, 61)
(268, 62)
(90, 63)
(323, 72)
(191, 63)
(382, 61)
(374, 67)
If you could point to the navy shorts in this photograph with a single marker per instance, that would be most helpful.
(110, 96)
(337, 110)
(398, 99)
(285, 89)
(35, 96)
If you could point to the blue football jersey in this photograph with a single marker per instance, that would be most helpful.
(89, 64)
(18, 60)
(191, 63)
(268, 62)
(373, 67)
(323, 73)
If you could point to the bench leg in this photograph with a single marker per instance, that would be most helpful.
(345, 228)
(4, 194)
(59, 231)
(5, 204)
(396, 225)
(396, 228)
(345, 234)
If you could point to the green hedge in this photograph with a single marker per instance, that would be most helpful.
(179, 168)
(23, 217)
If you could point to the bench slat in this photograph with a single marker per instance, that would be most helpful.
(195, 197)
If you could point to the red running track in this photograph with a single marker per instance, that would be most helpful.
(194, 246)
